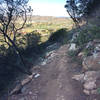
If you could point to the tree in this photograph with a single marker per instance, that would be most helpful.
(13, 16)
(80, 8)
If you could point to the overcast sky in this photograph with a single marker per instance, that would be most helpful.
(49, 7)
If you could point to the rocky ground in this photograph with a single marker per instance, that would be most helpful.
(54, 78)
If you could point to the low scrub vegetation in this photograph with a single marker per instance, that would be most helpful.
(87, 34)
(61, 35)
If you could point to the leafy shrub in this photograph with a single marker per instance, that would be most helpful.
(87, 34)
(83, 38)
(27, 41)
(60, 36)
(32, 39)
(95, 32)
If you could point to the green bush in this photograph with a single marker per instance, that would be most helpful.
(87, 34)
(72, 53)
(27, 41)
(83, 38)
(95, 32)
(61, 35)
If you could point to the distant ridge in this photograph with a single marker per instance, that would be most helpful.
(37, 18)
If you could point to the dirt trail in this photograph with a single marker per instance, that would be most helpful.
(54, 83)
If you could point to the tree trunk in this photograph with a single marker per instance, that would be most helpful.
(19, 54)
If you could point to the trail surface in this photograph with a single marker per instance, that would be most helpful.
(54, 83)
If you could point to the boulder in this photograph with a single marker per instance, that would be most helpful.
(89, 85)
(87, 76)
(92, 62)
(89, 80)
(91, 76)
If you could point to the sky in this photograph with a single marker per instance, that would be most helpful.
(49, 7)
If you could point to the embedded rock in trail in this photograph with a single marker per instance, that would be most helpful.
(92, 62)
(87, 76)
(91, 75)
(89, 85)
(88, 79)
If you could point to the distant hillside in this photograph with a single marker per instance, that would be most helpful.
(47, 18)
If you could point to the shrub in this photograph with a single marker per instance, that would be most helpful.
(72, 53)
(95, 32)
(87, 34)
(60, 36)
(83, 38)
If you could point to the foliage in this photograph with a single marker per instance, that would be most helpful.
(87, 34)
(11, 11)
(82, 38)
(94, 31)
(60, 36)
(80, 8)
(72, 53)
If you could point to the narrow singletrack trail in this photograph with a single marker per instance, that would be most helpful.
(55, 81)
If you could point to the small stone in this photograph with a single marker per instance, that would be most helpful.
(30, 93)
(37, 75)
(44, 63)
(87, 92)
(81, 54)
